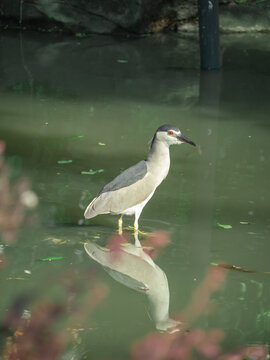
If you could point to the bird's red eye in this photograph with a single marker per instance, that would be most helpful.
(170, 132)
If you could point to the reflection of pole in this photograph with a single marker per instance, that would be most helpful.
(203, 211)
(209, 34)
(210, 87)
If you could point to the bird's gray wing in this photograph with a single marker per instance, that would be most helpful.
(127, 280)
(126, 178)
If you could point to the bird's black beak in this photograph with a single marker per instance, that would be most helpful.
(185, 139)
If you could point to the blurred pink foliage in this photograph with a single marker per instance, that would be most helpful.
(200, 299)
(155, 242)
(256, 352)
(184, 344)
(151, 245)
(35, 338)
(42, 336)
(115, 245)
(14, 199)
(178, 345)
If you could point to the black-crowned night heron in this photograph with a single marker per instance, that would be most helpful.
(130, 191)
(135, 269)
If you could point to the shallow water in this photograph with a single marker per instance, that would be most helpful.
(115, 93)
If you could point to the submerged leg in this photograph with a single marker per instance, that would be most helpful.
(136, 221)
(137, 241)
(120, 223)
(136, 225)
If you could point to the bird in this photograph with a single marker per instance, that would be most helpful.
(130, 191)
(135, 269)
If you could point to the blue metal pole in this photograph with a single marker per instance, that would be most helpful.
(209, 34)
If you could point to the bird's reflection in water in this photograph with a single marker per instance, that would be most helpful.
(131, 266)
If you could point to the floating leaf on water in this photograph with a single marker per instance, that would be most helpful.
(122, 61)
(80, 35)
(16, 278)
(77, 136)
(224, 226)
(101, 143)
(52, 258)
(232, 267)
(92, 172)
(58, 241)
(64, 161)
(244, 223)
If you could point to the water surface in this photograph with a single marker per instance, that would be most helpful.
(116, 93)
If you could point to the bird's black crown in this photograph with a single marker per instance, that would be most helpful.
(167, 128)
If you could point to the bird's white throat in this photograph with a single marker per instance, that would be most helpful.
(158, 160)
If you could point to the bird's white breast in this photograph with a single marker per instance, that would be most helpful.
(137, 208)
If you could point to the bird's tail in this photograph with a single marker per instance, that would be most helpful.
(90, 210)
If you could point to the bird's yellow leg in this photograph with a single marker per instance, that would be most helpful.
(137, 241)
(120, 227)
(140, 232)
(136, 228)
(136, 225)
(137, 231)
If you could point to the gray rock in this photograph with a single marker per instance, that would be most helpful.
(93, 16)
(237, 18)
(245, 18)
(133, 16)
(20, 10)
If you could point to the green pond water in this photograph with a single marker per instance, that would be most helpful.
(98, 101)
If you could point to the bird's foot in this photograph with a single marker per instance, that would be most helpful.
(120, 227)
(144, 233)
(136, 230)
